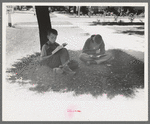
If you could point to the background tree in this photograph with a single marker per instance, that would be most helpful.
(44, 23)
(69, 9)
(75, 9)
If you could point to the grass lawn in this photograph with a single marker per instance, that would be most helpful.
(124, 75)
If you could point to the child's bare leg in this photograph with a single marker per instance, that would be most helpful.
(103, 59)
(85, 57)
(64, 56)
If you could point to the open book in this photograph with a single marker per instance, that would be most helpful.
(101, 55)
(59, 48)
(97, 56)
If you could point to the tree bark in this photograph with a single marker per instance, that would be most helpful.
(44, 23)
(79, 11)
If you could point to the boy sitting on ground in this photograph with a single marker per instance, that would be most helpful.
(94, 51)
(55, 55)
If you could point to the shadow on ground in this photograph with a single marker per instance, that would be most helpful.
(133, 32)
(129, 30)
(94, 23)
(120, 76)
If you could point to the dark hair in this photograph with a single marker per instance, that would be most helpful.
(92, 35)
(53, 31)
(98, 39)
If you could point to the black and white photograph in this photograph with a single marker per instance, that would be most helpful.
(75, 61)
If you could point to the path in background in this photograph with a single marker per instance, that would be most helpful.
(128, 43)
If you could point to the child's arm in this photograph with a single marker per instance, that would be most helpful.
(101, 50)
(44, 54)
(97, 56)
(86, 48)
(45, 57)
(59, 48)
(90, 51)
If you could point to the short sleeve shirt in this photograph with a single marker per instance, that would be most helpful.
(47, 49)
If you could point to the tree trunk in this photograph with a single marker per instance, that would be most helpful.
(44, 23)
(69, 8)
(9, 19)
(74, 9)
(79, 11)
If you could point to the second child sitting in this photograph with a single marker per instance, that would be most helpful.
(93, 51)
